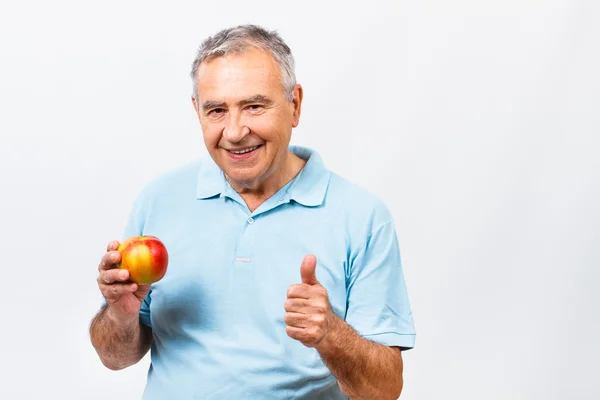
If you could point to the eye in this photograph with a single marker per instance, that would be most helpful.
(255, 107)
(216, 111)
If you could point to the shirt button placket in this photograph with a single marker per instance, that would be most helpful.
(246, 244)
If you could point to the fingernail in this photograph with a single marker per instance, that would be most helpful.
(123, 274)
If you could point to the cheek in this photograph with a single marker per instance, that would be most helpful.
(212, 134)
(268, 128)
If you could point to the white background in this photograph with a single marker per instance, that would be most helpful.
(476, 121)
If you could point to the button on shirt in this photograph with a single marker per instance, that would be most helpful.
(217, 315)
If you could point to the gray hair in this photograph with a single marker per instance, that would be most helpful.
(238, 39)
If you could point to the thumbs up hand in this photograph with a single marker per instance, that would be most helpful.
(308, 316)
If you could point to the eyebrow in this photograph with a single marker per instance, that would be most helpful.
(259, 98)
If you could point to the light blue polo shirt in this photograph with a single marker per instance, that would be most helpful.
(217, 315)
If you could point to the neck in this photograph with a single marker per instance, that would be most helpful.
(256, 193)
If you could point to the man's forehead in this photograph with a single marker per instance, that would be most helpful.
(251, 64)
(233, 83)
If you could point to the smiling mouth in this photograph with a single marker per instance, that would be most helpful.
(244, 151)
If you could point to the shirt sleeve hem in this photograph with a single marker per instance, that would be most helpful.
(404, 340)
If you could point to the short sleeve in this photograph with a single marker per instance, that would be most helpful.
(378, 306)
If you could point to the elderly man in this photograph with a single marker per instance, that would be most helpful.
(284, 281)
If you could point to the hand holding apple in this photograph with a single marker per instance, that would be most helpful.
(115, 280)
(309, 316)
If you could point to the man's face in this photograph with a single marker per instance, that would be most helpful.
(242, 107)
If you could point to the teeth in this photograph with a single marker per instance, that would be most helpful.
(245, 151)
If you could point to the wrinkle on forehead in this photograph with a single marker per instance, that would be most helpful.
(246, 74)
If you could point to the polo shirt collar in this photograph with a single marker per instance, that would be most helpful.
(308, 188)
(311, 184)
(211, 180)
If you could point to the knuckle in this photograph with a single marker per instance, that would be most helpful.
(289, 331)
(321, 308)
(291, 291)
(112, 256)
(108, 277)
(105, 263)
(288, 318)
(289, 303)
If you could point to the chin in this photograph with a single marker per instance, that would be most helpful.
(242, 176)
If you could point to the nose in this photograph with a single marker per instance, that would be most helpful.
(234, 130)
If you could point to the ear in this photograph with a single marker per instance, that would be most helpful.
(195, 104)
(297, 103)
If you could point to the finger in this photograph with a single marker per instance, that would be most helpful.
(300, 291)
(113, 275)
(315, 308)
(298, 305)
(109, 260)
(308, 270)
(296, 320)
(142, 291)
(300, 334)
(117, 289)
(113, 245)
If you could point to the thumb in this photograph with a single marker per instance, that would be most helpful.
(307, 270)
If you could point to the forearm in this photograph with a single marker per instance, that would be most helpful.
(119, 343)
(363, 369)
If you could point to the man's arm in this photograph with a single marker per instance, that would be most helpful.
(363, 369)
(116, 332)
(120, 343)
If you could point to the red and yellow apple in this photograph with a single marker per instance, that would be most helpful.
(145, 257)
